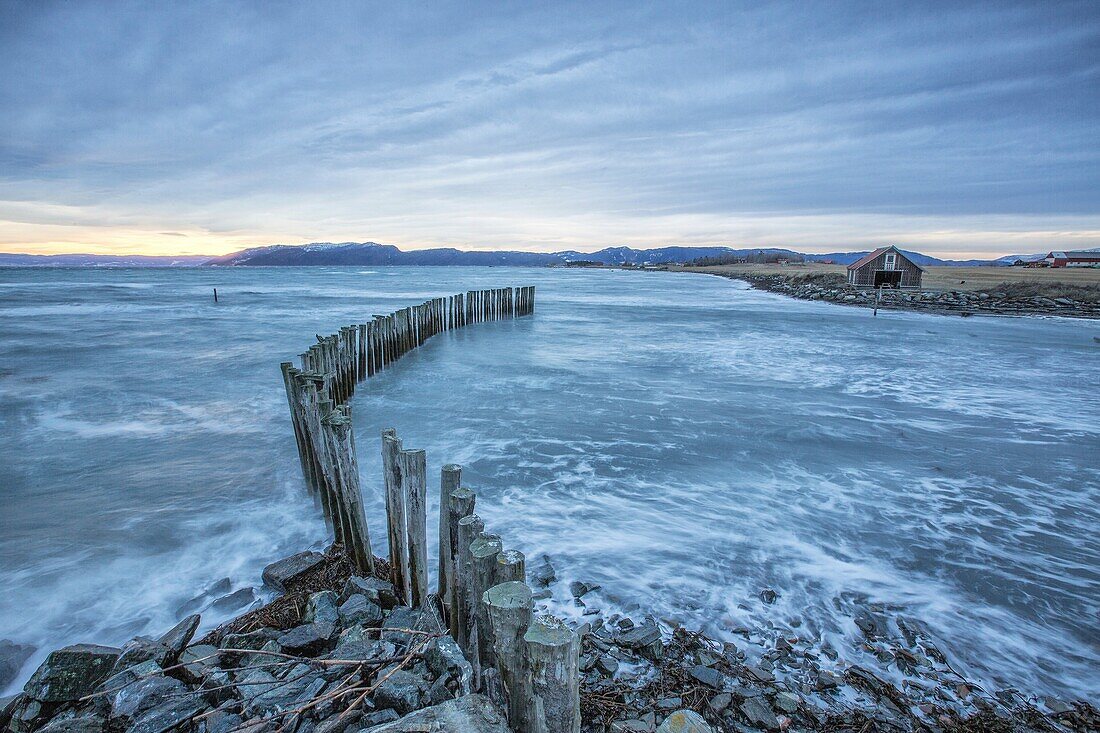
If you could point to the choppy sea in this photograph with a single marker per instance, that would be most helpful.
(682, 441)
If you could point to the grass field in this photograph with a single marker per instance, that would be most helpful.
(941, 278)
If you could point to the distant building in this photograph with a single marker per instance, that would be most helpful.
(886, 267)
(1072, 259)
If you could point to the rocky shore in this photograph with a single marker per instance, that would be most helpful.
(338, 653)
(1008, 300)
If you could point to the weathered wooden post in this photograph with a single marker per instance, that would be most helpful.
(511, 566)
(510, 609)
(460, 504)
(469, 527)
(483, 555)
(395, 512)
(413, 470)
(450, 478)
(355, 538)
(552, 653)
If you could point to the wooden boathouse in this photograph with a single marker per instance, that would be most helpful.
(886, 267)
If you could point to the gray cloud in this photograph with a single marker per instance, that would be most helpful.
(533, 126)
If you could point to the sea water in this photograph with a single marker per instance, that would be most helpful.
(682, 441)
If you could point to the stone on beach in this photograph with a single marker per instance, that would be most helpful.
(283, 573)
(469, 714)
(685, 721)
(71, 673)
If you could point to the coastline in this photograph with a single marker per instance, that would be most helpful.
(338, 652)
(813, 286)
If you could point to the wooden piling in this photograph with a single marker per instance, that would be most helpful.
(511, 566)
(460, 504)
(552, 653)
(469, 527)
(509, 609)
(483, 555)
(450, 478)
(413, 470)
(395, 512)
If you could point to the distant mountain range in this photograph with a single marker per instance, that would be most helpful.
(380, 255)
(88, 260)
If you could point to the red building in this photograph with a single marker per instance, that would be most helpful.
(1072, 259)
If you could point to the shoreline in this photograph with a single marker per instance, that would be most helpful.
(288, 661)
(952, 302)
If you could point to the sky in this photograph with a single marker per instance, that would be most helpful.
(955, 129)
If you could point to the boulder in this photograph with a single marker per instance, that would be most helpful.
(282, 574)
(684, 721)
(12, 658)
(307, 640)
(377, 591)
(140, 695)
(404, 617)
(321, 608)
(179, 636)
(444, 658)
(301, 685)
(543, 575)
(219, 588)
(399, 690)
(235, 601)
(77, 724)
(362, 649)
(469, 714)
(142, 649)
(358, 610)
(71, 673)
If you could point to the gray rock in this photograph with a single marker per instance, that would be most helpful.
(630, 726)
(720, 702)
(401, 691)
(379, 717)
(642, 635)
(757, 712)
(468, 714)
(708, 676)
(787, 702)
(377, 591)
(199, 659)
(768, 595)
(179, 636)
(71, 673)
(580, 589)
(321, 608)
(307, 640)
(235, 601)
(141, 695)
(299, 686)
(222, 721)
(445, 659)
(12, 658)
(543, 575)
(362, 649)
(358, 610)
(608, 665)
(81, 724)
(168, 715)
(252, 640)
(282, 574)
(142, 649)
(684, 721)
(219, 588)
(404, 617)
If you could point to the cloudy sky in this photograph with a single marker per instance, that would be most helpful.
(173, 128)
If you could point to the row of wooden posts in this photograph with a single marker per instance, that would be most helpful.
(528, 663)
(319, 390)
